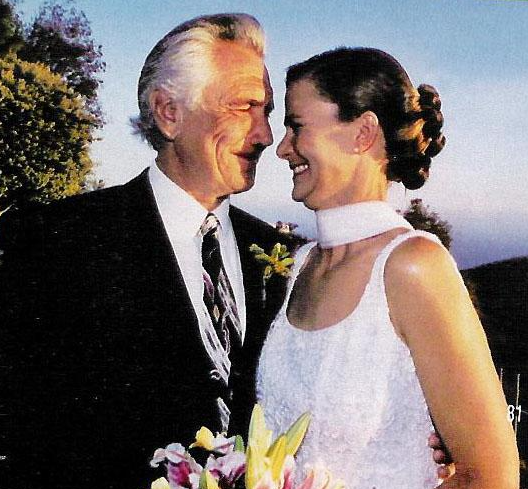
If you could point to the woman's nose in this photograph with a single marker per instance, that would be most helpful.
(284, 148)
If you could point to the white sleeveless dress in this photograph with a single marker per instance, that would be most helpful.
(370, 422)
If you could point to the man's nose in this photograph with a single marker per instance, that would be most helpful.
(261, 133)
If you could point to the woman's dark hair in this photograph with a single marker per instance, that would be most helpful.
(362, 79)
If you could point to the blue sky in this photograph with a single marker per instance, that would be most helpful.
(474, 51)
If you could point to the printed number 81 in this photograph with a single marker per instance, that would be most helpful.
(511, 412)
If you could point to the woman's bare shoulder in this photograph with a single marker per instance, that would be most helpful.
(424, 288)
(419, 259)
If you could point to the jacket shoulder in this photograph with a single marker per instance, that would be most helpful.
(70, 215)
(253, 228)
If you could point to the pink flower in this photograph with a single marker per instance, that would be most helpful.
(183, 471)
(320, 478)
(228, 467)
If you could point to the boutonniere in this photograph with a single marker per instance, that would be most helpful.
(278, 262)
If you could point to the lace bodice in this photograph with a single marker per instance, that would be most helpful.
(370, 422)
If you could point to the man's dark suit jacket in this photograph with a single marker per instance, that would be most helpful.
(101, 358)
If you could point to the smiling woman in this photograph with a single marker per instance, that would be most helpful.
(377, 319)
(313, 131)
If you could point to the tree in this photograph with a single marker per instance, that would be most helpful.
(421, 217)
(61, 38)
(49, 76)
(11, 30)
(45, 130)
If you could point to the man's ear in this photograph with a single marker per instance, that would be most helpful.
(368, 129)
(167, 113)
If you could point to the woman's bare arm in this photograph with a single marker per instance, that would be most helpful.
(432, 312)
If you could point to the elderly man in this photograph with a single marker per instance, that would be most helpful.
(130, 316)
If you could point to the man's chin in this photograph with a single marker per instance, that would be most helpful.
(247, 185)
(247, 180)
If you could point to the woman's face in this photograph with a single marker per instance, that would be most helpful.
(318, 146)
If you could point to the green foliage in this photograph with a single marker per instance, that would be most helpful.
(48, 104)
(421, 217)
(45, 130)
(11, 31)
(61, 38)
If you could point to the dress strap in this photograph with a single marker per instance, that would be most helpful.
(375, 295)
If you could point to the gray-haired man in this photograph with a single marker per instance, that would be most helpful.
(122, 332)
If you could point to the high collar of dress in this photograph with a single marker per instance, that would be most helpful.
(354, 222)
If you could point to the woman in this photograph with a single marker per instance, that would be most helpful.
(377, 333)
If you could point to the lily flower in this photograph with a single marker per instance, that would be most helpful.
(271, 467)
(182, 470)
(266, 465)
(228, 468)
(259, 440)
(320, 478)
(296, 432)
(207, 481)
(219, 443)
(160, 483)
(175, 452)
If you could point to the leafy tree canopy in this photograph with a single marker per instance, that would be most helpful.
(11, 29)
(45, 131)
(61, 38)
(421, 217)
(49, 76)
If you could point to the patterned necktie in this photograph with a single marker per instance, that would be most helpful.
(218, 295)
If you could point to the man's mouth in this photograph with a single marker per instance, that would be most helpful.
(251, 157)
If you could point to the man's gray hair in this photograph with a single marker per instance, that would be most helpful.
(181, 64)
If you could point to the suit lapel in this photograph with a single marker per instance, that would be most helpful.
(259, 312)
(251, 270)
(153, 246)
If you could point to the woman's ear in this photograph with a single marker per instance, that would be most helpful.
(367, 131)
(166, 112)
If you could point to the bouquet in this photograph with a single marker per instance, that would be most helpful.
(262, 465)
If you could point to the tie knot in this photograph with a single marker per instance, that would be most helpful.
(210, 224)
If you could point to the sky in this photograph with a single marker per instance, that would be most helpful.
(475, 52)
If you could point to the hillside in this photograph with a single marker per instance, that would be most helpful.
(501, 290)
(501, 293)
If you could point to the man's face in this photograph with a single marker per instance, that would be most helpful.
(222, 140)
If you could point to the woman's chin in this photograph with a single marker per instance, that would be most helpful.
(297, 195)
(305, 200)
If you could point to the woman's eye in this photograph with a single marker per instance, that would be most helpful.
(295, 128)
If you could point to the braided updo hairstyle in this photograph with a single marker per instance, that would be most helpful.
(362, 79)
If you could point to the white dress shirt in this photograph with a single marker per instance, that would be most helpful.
(182, 217)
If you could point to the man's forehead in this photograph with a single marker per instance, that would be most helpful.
(267, 84)
(231, 53)
(242, 71)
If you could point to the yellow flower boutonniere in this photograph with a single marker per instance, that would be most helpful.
(278, 262)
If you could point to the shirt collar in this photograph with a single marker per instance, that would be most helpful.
(171, 198)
